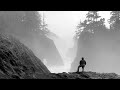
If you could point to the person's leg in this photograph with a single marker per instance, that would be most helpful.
(78, 68)
(82, 68)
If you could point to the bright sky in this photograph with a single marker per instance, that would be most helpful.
(63, 23)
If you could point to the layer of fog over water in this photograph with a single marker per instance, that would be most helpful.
(63, 24)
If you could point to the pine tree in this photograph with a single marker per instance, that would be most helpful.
(44, 26)
(91, 23)
(115, 20)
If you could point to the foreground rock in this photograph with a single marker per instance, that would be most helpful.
(84, 75)
(17, 61)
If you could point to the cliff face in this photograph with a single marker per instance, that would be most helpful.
(48, 51)
(17, 61)
(24, 25)
(100, 50)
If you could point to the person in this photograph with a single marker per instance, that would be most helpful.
(82, 64)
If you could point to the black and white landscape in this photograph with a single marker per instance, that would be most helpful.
(50, 44)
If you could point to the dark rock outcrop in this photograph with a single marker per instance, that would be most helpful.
(80, 75)
(17, 61)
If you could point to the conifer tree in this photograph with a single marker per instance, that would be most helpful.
(115, 20)
(91, 23)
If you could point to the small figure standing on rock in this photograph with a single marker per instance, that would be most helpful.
(82, 64)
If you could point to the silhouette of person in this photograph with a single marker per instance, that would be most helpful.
(82, 64)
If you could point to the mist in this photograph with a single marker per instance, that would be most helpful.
(25, 26)
(100, 48)
(63, 24)
(58, 50)
(105, 53)
(12, 23)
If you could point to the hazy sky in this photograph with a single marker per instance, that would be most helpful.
(63, 23)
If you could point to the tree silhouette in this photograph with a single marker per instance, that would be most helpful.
(44, 26)
(22, 22)
(91, 23)
(115, 20)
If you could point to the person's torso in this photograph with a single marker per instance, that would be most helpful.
(82, 62)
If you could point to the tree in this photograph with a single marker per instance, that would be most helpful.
(23, 20)
(23, 23)
(92, 16)
(115, 20)
(44, 26)
(91, 23)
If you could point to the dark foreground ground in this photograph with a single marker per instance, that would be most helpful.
(80, 75)
(70, 75)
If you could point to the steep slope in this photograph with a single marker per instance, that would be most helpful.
(25, 26)
(48, 51)
(17, 61)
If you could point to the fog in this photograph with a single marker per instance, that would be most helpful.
(63, 24)
(101, 51)
(26, 27)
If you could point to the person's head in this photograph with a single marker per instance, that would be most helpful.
(82, 58)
